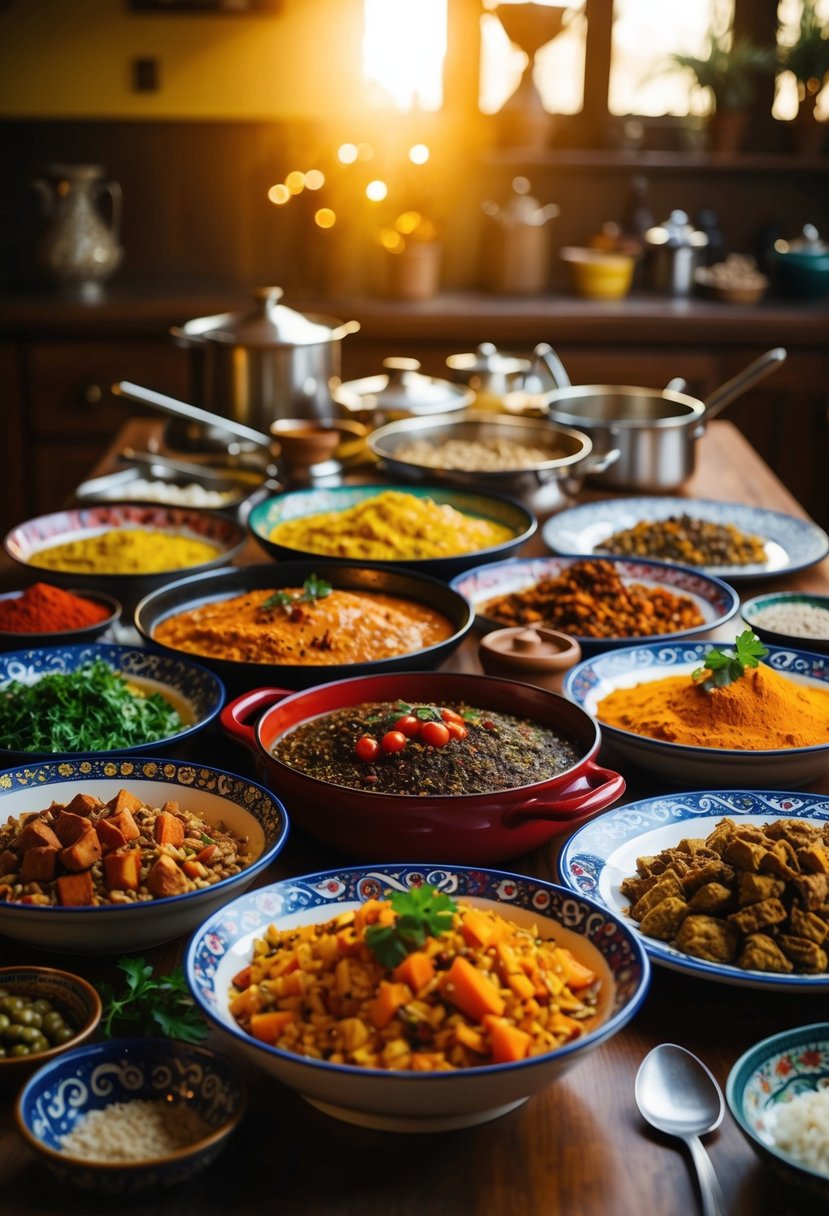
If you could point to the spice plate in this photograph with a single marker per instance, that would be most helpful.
(790, 543)
(716, 601)
(597, 857)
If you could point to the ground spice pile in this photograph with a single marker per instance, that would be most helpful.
(45, 609)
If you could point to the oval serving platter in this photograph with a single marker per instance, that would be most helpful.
(791, 543)
(597, 857)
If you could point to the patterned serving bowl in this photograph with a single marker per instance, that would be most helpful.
(245, 809)
(93, 1078)
(405, 1101)
(197, 694)
(767, 1077)
(266, 515)
(681, 764)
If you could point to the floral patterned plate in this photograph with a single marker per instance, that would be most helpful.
(597, 857)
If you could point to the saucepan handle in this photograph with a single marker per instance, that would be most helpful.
(597, 462)
(604, 788)
(234, 717)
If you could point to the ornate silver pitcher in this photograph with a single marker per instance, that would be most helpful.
(78, 248)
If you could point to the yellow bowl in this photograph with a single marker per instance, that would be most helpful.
(597, 275)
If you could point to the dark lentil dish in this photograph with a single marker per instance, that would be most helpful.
(695, 542)
(424, 750)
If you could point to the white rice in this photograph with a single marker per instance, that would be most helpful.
(801, 1130)
(134, 1131)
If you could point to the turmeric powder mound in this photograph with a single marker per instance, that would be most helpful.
(762, 710)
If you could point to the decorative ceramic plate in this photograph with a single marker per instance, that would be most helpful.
(716, 601)
(596, 859)
(791, 544)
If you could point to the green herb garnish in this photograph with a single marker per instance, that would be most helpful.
(313, 589)
(92, 709)
(723, 667)
(151, 1006)
(421, 912)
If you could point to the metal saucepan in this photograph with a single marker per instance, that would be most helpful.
(655, 431)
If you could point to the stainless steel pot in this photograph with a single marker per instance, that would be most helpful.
(264, 365)
(655, 431)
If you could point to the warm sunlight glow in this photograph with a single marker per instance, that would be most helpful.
(391, 240)
(314, 179)
(325, 218)
(408, 221)
(419, 154)
(295, 181)
(347, 154)
(404, 46)
(279, 194)
(376, 191)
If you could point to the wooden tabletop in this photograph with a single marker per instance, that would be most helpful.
(579, 1148)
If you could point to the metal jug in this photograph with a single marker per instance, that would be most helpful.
(78, 249)
(674, 249)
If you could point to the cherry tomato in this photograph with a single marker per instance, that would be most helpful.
(393, 741)
(457, 730)
(449, 715)
(434, 734)
(367, 748)
(409, 726)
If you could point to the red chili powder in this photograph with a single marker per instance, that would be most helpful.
(45, 609)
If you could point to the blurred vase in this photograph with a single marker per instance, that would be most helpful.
(78, 248)
(413, 273)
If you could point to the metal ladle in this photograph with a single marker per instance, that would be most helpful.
(677, 1095)
(191, 413)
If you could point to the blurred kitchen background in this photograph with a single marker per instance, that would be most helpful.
(418, 165)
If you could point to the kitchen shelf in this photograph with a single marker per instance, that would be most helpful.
(602, 160)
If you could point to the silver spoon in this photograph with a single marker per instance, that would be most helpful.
(677, 1095)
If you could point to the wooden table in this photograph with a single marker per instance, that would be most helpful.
(578, 1149)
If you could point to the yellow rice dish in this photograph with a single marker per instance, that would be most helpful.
(126, 551)
(391, 526)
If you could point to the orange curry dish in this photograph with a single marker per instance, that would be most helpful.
(291, 626)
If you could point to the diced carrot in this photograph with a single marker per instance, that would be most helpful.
(478, 929)
(387, 1002)
(37, 835)
(68, 827)
(242, 978)
(207, 854)
(83, 853)
(267, 1027)
(38, 864)
(283, 964)
(125, 824)
(109, 836)
(168, 829)
(194, 868)
(124, 801)
(470, 990)
(83, 804)
(165, 878)
(508, 1043)
(416, 970)
(75, 890)
(576, 975)
(122, 871)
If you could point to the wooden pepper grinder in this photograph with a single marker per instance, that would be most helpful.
(535, 655)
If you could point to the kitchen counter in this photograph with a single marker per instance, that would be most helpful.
(578, 1149)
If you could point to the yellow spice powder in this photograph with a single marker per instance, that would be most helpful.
(126, 551)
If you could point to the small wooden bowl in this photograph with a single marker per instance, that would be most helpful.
(303, 442)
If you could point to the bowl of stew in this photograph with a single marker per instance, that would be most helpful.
(427, 766)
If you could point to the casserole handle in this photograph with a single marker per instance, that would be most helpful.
(234, 716)
(604, 788)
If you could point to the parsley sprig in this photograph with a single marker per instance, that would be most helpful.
(723, 667)
(151, 1005)
(313, 589)
(421, 912)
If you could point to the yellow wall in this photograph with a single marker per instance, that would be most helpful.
(72, 59)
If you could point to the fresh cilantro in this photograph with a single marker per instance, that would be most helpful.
(151, 1005)
(421, 912)
(723, 667)
(313, 589)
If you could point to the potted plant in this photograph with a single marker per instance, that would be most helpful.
(729, 69)
(808, 61)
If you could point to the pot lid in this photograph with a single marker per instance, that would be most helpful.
(677, 232)
(403, 388)
(535, 647)
(269, 324)
(487, 360)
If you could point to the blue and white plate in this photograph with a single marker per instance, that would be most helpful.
(716, 601)
(591, 681)
(597, 857)
(791, 544)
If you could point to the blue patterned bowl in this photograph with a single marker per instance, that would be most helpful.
(243, 807)
(197, 693)
(265, 516)
(678, 763)
(764, 1079)
(95, 1077)
(418, 1101)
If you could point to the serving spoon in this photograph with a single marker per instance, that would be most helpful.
(677, 1095)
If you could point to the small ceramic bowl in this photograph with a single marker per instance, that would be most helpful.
(597, 275)
(68, 994)
(93, 1078)
(403, 1101)
(242, 806)
(304, 442)
(753, 609)
(765, 1079)
(17, 640)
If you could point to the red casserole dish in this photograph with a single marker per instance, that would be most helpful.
(470, 829)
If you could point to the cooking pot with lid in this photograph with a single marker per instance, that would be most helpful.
(266, 364)
(401, 391)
